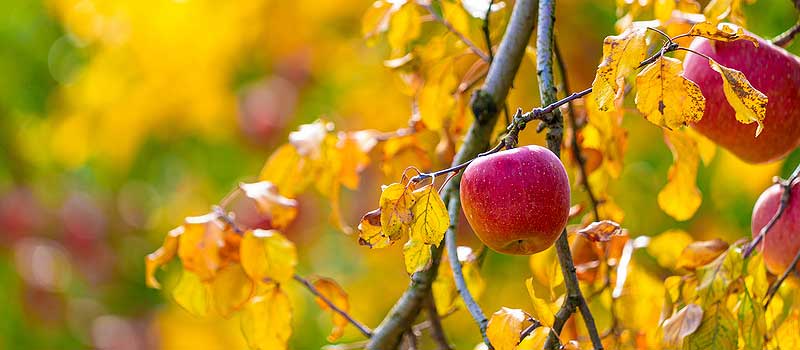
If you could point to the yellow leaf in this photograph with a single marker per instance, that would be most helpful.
(682, 324)
(282, 169)
(663, 10)
(404, 26)
(396, 214)
(268, 255)
(352, 148)
(535, 340)
(787, 335)
(756, 279)
(200, 243)
(665, 97)
(546, 270)
(280, 209)
(417, 255)
(716, 10)
(161, 256)
(431, 219)
(505, 327)
(267, 320)
(701, 253)
(192, 294)
(721, 32)
(717, 330)
(369, 231)
(604, 133)
(336, 295)
(376, 18)
(399, 153)
(435, 99)
(705, 146)
(309, 138)
(667, 247)
(621, 55)
(752, 321)
(231, 289)
(544, 310)
(750, 104)
(601, 231)
(444, 288)
(680, 198)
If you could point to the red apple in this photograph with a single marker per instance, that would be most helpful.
(517, 201)
(771, 70)
(782, 242)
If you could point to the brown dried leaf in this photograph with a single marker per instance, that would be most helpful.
(601, 231)
(701, 253)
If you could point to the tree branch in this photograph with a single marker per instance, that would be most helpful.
(484, 105)
(361, 327)
(785, 38)
(777, 285)
(555, 124)
(437, 331)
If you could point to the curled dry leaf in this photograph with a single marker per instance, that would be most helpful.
(749, 103)
(336, 295)
(682, 324)
(161, 256)
(721, 32)
(601, 231)
(701, 253)
(505, 327)
(280, 209)
(621, 55)
(665, 97)
(369, 231)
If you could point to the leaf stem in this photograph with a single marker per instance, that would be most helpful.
(361, 327)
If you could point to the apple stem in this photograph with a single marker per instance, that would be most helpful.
(361, 327)
(555, 124)
(786, 187)
(785, 38)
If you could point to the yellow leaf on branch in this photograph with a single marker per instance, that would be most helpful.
(404, 26)
(717, 330)
(444, 287)
(417, 255)
(267, 255)
(369, 231)
(396, 214)
(721, 32)
(621, 55)
(431, 219)
(336, 295)
(535, 340)
(505, 327)
(267, 320)
(282, 169)
(749, 103)
(161, 256)
(200, 244)
(680, 198)
(701, 253)
(192, 294)
(665, 97)
(280, 209)
(544, 307)
(231, 289)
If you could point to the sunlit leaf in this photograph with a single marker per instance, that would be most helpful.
(431, 218)
(667, 247)
(352, 148)
(267, 320)
(396, 214)
(505, 327)
(621, 55)
(404, 26)
(336, 295)
(376, 18)
(231, 289)
(399, 153)
(192, 294)
(161, 256)
(717, 10)
(546, 269)
(282, 169)
(717, 330)
(665, 97)
(268, 255)
(535, 340)
(280, 209)
(417, 255)
(749, 103)
(756, 276)
(680, 198)
(309, 138)
(752, 321)
(478, 8)
(701, 253)
(682, 324)
(370, 232)
(200, 243)
(444, 288)
(721, 32)
(663, 9)
(544, 308)
(787, 335)
(715, 278)
(601, 231)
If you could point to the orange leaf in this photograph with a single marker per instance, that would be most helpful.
(200, 243)
(505, 327)
(161, 256)
(370, 233)
(701, 253)
(601, 231)
(267, 255)
(280, 209)
(231, 289)
(336, 295)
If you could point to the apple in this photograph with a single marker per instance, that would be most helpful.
(771, 70)
(517, 200)
(782, 242)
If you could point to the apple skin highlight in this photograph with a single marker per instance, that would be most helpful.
(517, 201)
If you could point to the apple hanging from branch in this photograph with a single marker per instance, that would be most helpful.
(517, 200)
(770, 69)
(782, 242)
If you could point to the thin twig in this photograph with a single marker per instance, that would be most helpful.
(774, 288)
(437, 331)
(485, 28)
(576, 148)
(786, 194)
(785, 38)
(527, 331)
(361, 327)
(453, 30)
(555, 124)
